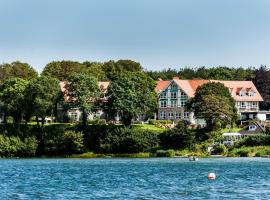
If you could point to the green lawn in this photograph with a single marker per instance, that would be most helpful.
(148, 127)
(233, 130)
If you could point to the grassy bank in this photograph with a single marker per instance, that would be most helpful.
(244, 151)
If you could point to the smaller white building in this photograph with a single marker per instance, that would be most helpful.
(263, 115)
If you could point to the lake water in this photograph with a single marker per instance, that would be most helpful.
(177, 178)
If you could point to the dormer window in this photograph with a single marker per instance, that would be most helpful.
(242, 93)
(251, 93)
(163, 95)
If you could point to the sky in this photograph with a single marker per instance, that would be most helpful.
(157, 33)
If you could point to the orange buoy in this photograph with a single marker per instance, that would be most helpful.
(211, 176)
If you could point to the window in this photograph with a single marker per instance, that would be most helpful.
(183, 103)
(163, 104)
(251, 93)
(173, 95)
(163, 95)
(178, 115)
(162, 115)
(186, 115)
(174, 87)
(183, 96)
(74, 116)
(242, 93)
(253, 104)
(171, 115)
(173, 103)
(243, 104)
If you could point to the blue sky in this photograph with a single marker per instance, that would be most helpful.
(157, 33)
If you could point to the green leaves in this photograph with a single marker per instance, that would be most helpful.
(131, 94)
(213, 102)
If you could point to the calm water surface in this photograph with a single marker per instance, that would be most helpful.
(237, 178)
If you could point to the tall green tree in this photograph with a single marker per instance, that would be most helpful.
(83, 92)
(214, 103)
(17, 69)
(41, 95)
(12, 95)
(131, 94)
(62, 70)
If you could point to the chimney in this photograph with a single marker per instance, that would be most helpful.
(176, 78)
(159, 79)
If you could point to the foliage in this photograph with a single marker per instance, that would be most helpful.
(83, 92)
(177, 138)
(165, 153)
(262, 83)
(17, 69)
(125, 140)
(256, 140)
(114, 70)
(220, 149)
(130, 95)
(72, 142)
(267, 129)
(159, 122)
(214, 103)
(62, 70)
(41, 97)
(213, 73)
(14, 146)
(12, 94)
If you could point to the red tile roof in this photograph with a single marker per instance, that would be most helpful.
(190, 86)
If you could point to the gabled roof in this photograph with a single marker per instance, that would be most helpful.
(162, 85)
(244, 85)
(190, 86)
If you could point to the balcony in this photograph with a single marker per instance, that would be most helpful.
(248, 109)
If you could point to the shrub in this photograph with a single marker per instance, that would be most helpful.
(72, 142)
(14, 146)
(177, 138)
(165, 153)
(97, 122)
(220, 149)
(258, 140)
(159, 122)
(125, 140)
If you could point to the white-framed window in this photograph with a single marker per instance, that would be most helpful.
(251, 93)
(163, 95)
(243, 104)
(186, 115)
(171, 115)
(178, 115)
(162, 115)
(183, 103)
(173, 103)
(163, 104)
(74, 116)
(253, 104)
(242, 93)
(173, 95)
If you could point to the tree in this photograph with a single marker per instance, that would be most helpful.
(114, 69)
(12, 95)
(214, 103)
(83, 92)
(95, 69)
(62, 70)
(41, 95)
(262, 82)
(131, 94)
(17, 70)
